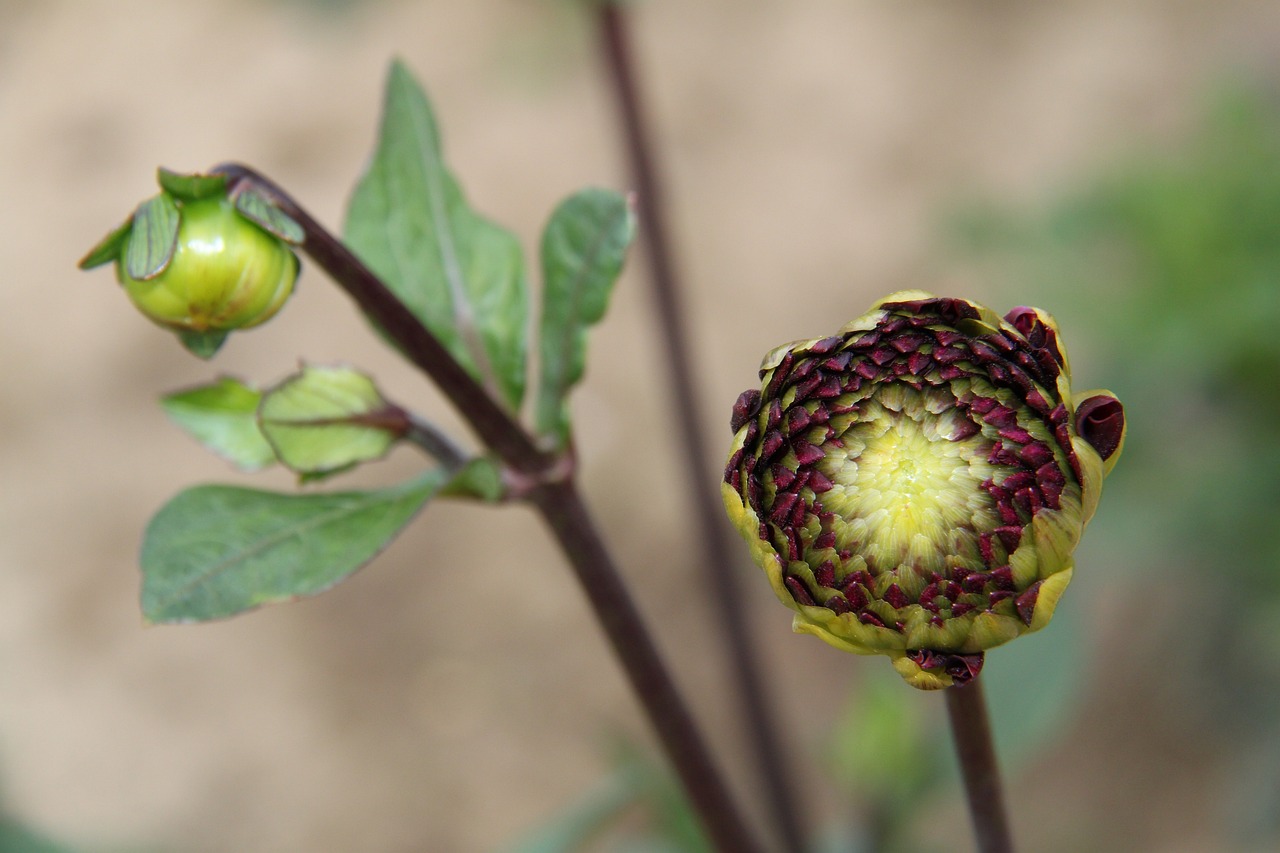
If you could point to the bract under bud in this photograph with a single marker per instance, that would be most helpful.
(915, 485)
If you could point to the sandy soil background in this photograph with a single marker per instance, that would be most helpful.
(455, 693)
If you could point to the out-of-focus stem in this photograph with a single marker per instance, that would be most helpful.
(717, 557)
(553, 493)
(975, 750)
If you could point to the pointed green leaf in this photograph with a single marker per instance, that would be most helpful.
(214, 551)
(326, 419)
(583, 248)
(203, 344)
(223, 416)
(259, 209)
(460, 274)
(191, 187)
(109, 247)
(153, 239)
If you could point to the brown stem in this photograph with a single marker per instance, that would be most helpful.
(718, 560)
(971, 731)
(557, 500)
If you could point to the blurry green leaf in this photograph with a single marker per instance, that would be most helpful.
(153, 239)
(673, 824)
(109, 247)
(16, 838)
(259, 209)
(583, 248)
(884, 749)
(191, 187)
(215, 551)
(223, 416)
(1034, 686)
(575, 826)
(479, 478)
(203, 344)
(326, 419)
(460, 274)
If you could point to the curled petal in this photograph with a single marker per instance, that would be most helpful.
(1100, 421)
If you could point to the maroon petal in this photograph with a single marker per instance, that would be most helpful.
(1100, 421)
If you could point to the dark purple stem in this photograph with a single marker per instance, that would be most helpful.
(717, 558)
(971, 730)
(554, 494)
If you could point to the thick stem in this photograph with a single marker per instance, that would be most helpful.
(971, 730)
(717, 557)
(554, 495)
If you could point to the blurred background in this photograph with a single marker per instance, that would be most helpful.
(1117, 163)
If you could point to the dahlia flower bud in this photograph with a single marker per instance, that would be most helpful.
(914, 485)
(202, 262)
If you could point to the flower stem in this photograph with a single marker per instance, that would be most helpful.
(971, 731)
(561, 506)
(717, 558)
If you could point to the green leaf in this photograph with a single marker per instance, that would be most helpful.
(203, 344)
(153, 239)
(214, 551)
(583, 248)
(109, 247)
(223, 416)
(327, 419)
(578, 824)
(460, 274)
(260, 210)
(479, 478)
(191, 187)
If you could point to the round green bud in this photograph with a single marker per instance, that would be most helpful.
(915, 484)
(226, 273)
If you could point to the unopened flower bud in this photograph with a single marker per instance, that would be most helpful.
(915, 484)
(202, 263)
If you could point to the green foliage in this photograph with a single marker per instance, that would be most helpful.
(190, 187)
(639, 805)
(153, 239)
(223, 416)
(109, 247)
(460, 274)
(215, 551)
(322, 420)
(583, 248)
(1172, 260)
(260, 210)
(15, 837)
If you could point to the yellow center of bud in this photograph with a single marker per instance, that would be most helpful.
(909, 496)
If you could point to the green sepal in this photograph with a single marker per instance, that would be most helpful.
(223, 416)
(202, 344)
(153, 238)
(263, 212)
(109, 248)
(583, 249)
(480, 478)
(191, 187)
(323, 420)
(457, 272)
(215, 551)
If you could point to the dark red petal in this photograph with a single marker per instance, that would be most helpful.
(1100, 421)
(747, 405)
(1026, 603)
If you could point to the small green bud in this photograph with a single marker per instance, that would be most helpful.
(915, 484)
(197, 261)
